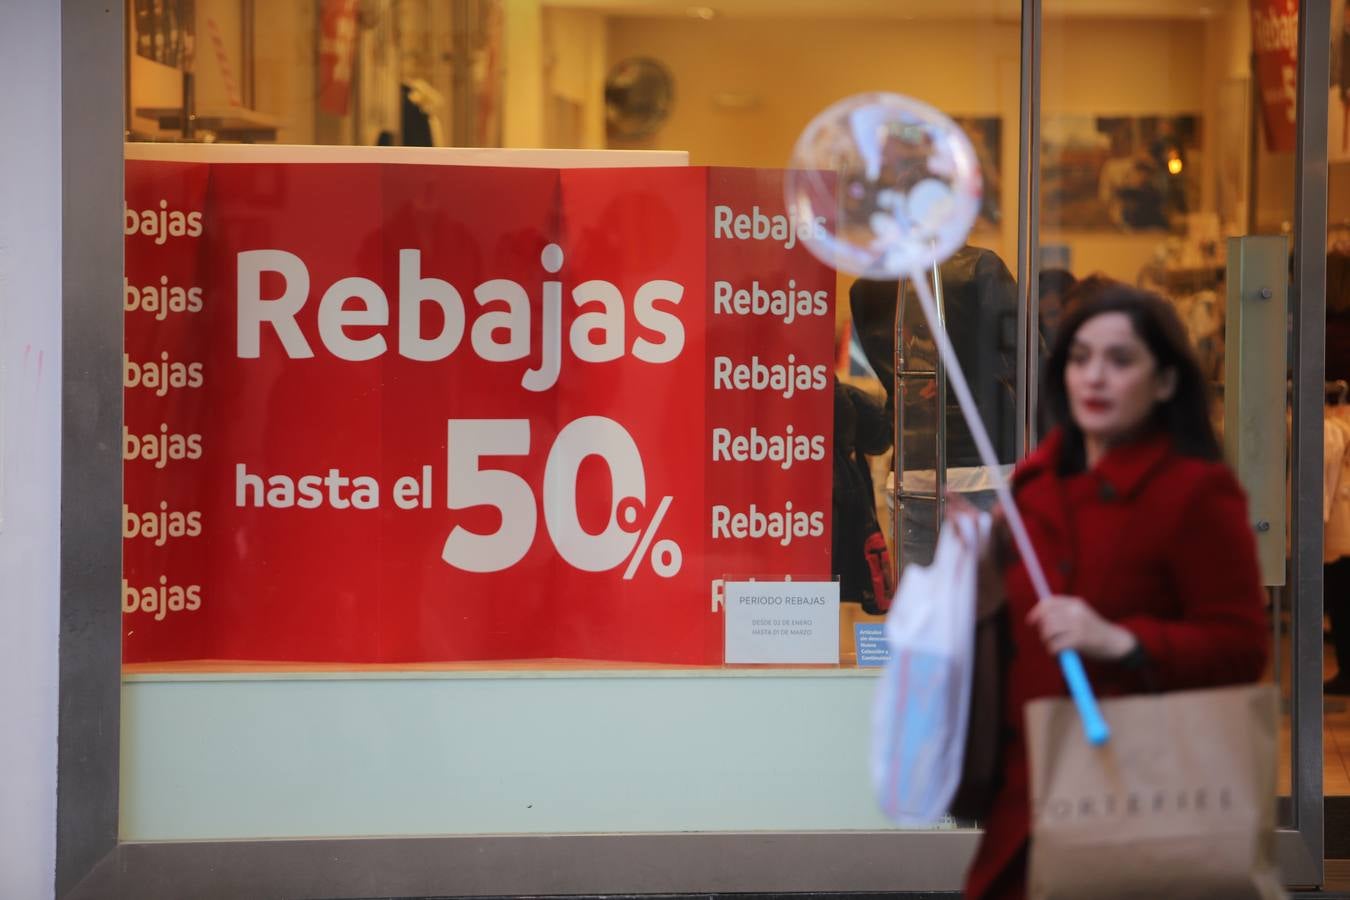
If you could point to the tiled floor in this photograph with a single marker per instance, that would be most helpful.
(1335, 735)
(1337, 879)
(1336, 747)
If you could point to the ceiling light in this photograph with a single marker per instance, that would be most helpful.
(701, 12)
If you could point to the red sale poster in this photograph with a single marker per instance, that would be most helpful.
(1275, 49)
(337, 55)
(382, 413)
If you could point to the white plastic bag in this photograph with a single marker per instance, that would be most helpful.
(923, 698)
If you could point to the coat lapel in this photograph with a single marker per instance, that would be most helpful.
(1124, 470)
(1044, 499)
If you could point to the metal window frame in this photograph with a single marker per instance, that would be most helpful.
(1029, 227)
(92, 57)
(92, 862)
(1303, 862)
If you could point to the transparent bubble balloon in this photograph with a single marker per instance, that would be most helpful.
(888, 185)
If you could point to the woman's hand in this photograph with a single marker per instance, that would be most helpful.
(1068, 623)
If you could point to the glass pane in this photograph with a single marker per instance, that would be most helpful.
(1149, 169)
(470, 355)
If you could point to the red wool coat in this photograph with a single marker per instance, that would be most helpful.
(1156, 542)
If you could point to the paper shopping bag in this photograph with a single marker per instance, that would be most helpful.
(1179, 804)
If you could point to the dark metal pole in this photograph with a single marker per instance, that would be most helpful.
(92, 119)
(1310, 282)
(1028, 227)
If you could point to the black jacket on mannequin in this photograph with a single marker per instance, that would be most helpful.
(980, 302)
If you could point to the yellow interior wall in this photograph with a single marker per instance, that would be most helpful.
(574, 77)
(1123, 67)
(285, 81)
(523, 82)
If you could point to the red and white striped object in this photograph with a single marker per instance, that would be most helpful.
(223, 60)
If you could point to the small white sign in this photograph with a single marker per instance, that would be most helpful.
(782, 622)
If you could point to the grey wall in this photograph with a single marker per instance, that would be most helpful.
(30, 460)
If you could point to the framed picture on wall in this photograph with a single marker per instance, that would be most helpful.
(1119, 173)
(986, 136)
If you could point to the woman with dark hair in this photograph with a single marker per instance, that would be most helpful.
(1143, 534)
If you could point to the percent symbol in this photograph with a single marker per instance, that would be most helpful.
(666, 555)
